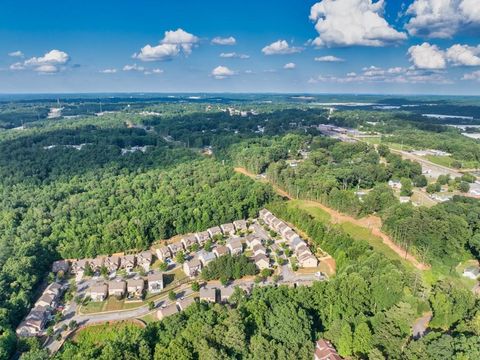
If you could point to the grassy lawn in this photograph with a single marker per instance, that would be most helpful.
(98, 334)
(149, 318)
(93, 307)
(114, 304)
(447, 161)
(355, 231)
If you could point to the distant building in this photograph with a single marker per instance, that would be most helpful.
(226, 292)
(325, 351)
(155, 282)
(259, 249)
(34, 323)
(175, 248)
(252, 241)
(128, 262)
(395, 184)
(97, 263)
(112, 263)
(307, 260)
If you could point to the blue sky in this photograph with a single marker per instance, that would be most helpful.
(328, 46)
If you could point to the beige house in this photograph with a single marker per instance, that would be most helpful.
(259, 249)
(155, 282)
(228, 229)
(202, 237)
(226, 293)
(307, 260)
(98, 292)
(97, 263)
(235, 246)
(46, 300)
(240, 225)
(117, 288)
(252, 240)
(135, 287)
(61, 265)
(167, 311)
(34, 323)
(112, 263)
(163, 253)
(186, 302)
(79, 266)
(128, 262)
(175, 248)
(144, 259)
(192, 267)
(189, 241)
(261, 261)
(209, 294)
(215, 230)
(205, 257)
(221, 250)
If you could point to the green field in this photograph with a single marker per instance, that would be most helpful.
(98, 334)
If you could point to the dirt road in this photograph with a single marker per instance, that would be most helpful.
(372, 223)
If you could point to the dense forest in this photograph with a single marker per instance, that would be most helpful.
(92, 185)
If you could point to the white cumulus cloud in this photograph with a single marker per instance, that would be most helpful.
(464, 55)
(51, 62)
(352, 22)
(17, 53)
(222, 72)
(234, 55)
(289, 66)
(133, 67)
(280, 47)
(224, 40)
(442, 18)
(329, 58)
(427, 56)
(172, 44)
(108, 71)
(472, 76)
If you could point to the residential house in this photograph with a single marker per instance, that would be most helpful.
(395, 184)
(307, 260)
(97, 263)
(163, 253)
(215, 230)
(98, 292)
(128, 262)
(167, 311)
(228, 229)
(259, 249)
(192, 267)
(208, 294)
(34, 322)
(188, 241)
(117, 288)
(302, 249)
(54, 289)
(135, 287)
(226, 292)
(61, 265)
(276, 224)
(325, 351)
(144, 259)
(471, 272)
(282, 228)
(112, 263)
(79, 266)
(186, 302)
(252, 240)
(221, 250)
(261, 261)
(270, 219)
(202, 237)
(175, 248)
(155, 282)
(46, 300)
(235, 246)
(266, 216)
(296, 243)
(240, 225)
(205, 257)
(291, 235)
